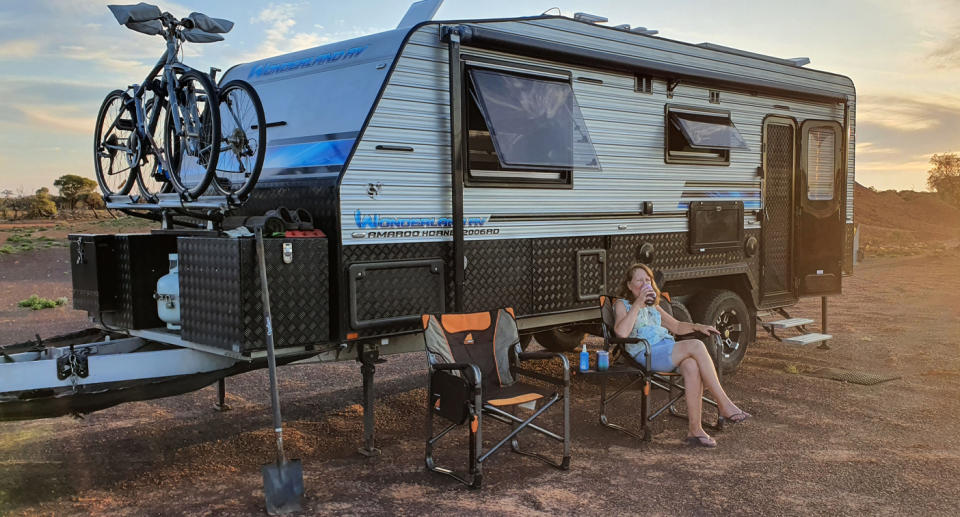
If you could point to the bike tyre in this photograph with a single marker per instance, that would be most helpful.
(222, 181)
(150, 187)
(209, 118)
(105, 187)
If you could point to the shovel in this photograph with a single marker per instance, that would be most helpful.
(283, 480)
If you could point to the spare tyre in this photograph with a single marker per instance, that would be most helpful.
(725, 310)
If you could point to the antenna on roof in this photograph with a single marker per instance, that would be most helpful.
(421, 11)
(589, 18)
(645, 31)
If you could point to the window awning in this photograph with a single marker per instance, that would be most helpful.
(533, 122)
(708, 131)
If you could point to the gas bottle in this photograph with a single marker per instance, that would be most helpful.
(168, 295)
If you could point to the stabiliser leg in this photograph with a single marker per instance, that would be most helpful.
(368, 359)
(221, 404)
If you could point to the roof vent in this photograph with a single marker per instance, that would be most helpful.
(589, 18)
(799, 61)
(624, 27)
(645, 31)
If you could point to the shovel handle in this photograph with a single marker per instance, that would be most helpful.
(271, 357)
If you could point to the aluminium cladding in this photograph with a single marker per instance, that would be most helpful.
(355, 101)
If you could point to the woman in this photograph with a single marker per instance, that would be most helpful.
(635, 318)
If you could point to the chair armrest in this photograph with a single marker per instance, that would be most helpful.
(463, 367)
(545, 356)
(624, 340)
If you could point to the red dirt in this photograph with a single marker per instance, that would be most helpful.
(904, 222)
(815, 446)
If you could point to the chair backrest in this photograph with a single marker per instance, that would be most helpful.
(608, 315)
(480, 338)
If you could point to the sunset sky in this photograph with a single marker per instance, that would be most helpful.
(59, 58)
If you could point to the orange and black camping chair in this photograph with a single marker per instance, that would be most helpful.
(475, 360)
(640, 372)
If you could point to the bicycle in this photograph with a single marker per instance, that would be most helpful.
(125, 149)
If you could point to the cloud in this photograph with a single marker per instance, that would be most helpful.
(905, 113)
(280, 34)
(19, 49)
(947, 53)
(60, 119)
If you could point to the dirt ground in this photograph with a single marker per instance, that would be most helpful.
(815, 446)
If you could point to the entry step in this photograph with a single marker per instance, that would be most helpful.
(788, 323)
(806, 339)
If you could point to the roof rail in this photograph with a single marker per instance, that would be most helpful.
(796, 61)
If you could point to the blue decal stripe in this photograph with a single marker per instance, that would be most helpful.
(309, 154)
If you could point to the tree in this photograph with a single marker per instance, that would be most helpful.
(72, 187)
(7, 202)
(41, 205)
(944, 177)
(93, 201)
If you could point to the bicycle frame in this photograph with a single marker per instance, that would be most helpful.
(168, 64)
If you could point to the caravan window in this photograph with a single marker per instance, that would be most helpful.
(821, 146)
(524, 129)
(694, 136)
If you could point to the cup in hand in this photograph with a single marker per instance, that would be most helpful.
(651, 296)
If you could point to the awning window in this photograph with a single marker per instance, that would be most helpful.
(703, 131)
(534, 123)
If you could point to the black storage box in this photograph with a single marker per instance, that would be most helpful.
(115, 276)
(92, 267)
(220, 300)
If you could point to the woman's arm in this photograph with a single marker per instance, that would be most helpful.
(625, 319)
(680, 328)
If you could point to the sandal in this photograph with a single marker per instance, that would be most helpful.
(738, 418)
(700, 441)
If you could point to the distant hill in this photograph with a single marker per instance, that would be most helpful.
(899, 221)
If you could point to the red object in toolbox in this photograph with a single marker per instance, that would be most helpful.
(305, 233)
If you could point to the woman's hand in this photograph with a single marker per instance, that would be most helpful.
(705, 329)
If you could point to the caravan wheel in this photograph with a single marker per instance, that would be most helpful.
(563, 339)
(726, 311)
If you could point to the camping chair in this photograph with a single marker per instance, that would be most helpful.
(474, 360)
(622, 363)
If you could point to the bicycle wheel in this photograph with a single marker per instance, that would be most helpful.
(151, 178)
(194, 147)
(116, 147)
(243, 139)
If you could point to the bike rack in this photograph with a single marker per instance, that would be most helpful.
(169, 201)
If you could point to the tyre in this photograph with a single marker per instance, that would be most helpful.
(726, 311)
(151, 178)
(680, 312)
(194, 147)
(243, 140)
(116, 147)
(563, 339)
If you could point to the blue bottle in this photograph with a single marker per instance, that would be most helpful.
(584, 359)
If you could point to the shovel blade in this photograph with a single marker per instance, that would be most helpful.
(283, 486)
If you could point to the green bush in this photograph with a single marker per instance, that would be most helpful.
(36, 303)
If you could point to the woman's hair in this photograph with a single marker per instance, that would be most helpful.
(625, 289)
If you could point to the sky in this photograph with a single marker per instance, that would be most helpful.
(59, 59)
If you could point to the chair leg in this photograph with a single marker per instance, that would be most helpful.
(475, 477)
(645, 433)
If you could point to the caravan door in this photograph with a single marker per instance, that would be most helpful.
(777, 237)
(819, 248)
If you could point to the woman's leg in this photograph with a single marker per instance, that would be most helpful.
(694, 393)
(696, 350)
